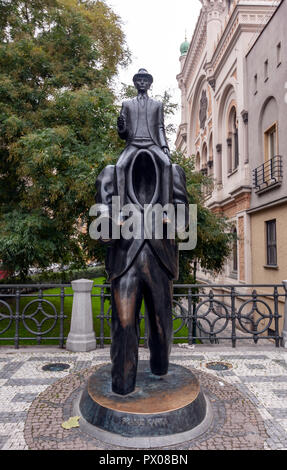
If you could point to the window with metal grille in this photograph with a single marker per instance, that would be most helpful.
(271, 243)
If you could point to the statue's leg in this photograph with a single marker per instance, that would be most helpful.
(122, 166)
(158, 295)
(126, 304)
(166, 182)
(166, 175)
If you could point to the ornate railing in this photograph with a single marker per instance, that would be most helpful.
(212, 313)
(29, 312)
(268, 174)
(205, 313)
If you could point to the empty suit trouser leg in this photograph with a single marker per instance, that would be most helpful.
(147, 280)
(164, 170)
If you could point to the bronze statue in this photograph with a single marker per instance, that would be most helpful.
(139, 268)
(141, 124)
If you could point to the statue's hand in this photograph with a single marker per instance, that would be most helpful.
(121, 123)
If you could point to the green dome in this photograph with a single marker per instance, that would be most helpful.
(184, 47)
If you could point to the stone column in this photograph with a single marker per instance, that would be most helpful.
(82, 336)
(219, 165)
(284, 332)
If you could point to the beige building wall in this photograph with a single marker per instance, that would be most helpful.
(260, 273)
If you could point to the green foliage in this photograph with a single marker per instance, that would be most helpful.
(57, 124)
(62, 277)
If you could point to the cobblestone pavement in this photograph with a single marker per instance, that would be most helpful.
(249, 399)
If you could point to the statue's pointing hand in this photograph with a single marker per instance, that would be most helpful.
(121, 123)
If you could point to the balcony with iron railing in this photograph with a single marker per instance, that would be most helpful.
(268, 175)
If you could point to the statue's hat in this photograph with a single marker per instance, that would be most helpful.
(143, 73)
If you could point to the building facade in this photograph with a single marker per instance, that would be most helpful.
(215, 117)
(266, 65)
(267, 95)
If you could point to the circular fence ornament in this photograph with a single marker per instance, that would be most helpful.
(45, 317)
(5, 316)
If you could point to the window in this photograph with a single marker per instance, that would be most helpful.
(255, 84)
(279, 54)
(232, 141)
(266, 70)
(270, 144)
(271, 243)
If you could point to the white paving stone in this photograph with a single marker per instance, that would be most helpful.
(266, 388)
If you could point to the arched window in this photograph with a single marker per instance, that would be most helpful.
(204, 156)
(197, 162)
(210, 157)
(232, 141)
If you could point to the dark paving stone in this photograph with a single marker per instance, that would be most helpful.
(24, 397)
(280, 393)
(280, 363)
(225, 373)
(272, 379)
(9, 369)
(23, 382)
(187, 358)
(280, 413)
(245, 391)
(12, 417)
(3, 440)
(255, 366)
(80, 365)
(276, 430)
(52, 359)
(246, 357)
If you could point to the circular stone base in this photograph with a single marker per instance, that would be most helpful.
(161, 411)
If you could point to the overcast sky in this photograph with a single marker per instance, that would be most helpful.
(154, 31)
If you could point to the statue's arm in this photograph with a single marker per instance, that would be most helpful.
(161, 131)
(122, 123)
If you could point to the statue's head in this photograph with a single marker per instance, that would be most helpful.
(142, 80)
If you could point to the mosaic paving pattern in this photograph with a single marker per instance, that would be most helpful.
(249, 400)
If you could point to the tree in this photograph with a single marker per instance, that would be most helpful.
(57, 123)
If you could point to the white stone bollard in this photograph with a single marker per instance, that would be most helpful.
(82, 336)
(284, 332)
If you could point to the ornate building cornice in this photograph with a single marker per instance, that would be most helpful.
(211, 6)
(195, 51)
(245, 15)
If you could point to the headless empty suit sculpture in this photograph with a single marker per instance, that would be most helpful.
(138, 268)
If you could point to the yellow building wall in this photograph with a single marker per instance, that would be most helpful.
(261, 274)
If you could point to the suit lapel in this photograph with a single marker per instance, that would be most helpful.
(149, 117)
(135, 116)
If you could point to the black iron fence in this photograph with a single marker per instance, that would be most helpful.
(268, 174)
(201, 313)
(32, 312)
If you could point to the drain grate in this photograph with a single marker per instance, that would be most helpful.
(56, 367)
(219, 366)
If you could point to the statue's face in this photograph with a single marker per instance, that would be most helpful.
(142, 84)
